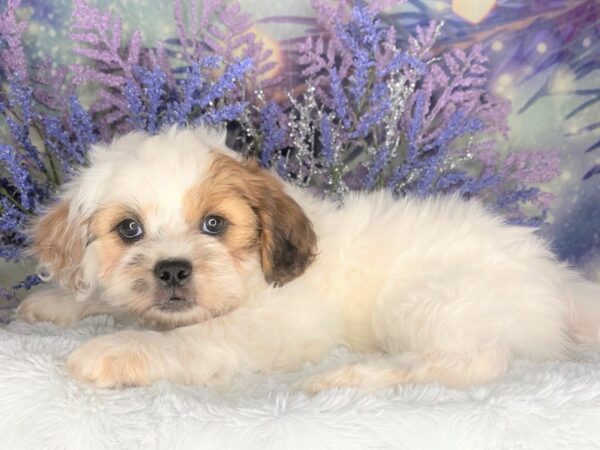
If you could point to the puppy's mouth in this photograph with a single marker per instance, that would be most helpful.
(174, 302)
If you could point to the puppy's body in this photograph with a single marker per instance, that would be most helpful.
(446, 289)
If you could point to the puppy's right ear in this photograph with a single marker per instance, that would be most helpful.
(59, 238)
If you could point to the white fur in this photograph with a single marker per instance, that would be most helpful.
(536, 405)
(444, 287)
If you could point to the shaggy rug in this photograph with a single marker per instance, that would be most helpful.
(536, 405)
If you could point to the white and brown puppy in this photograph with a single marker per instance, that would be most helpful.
(243, 273)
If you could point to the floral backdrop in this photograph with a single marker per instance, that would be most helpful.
(496, 99)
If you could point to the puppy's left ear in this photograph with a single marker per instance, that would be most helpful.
(288, 241)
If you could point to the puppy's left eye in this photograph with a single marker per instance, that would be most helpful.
(213, 225)
(130, 230)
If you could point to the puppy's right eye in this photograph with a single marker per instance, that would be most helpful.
(130, 230)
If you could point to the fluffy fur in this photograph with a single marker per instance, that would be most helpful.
(446, 289)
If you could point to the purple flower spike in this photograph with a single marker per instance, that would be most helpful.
(273, 132)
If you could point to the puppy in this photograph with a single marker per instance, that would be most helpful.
(235, 272)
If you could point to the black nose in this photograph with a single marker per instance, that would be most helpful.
(173, 272)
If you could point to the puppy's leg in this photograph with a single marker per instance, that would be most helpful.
(209, 353)
(57, 306)
(453, 370)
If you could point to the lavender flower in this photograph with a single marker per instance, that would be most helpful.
(12, 55)
(403, 136)
(379, 99)
(338, 96)
(380, 160)
(360, 37)
(98, 36)
(82, 130)
(21, 177)
(135, 104)
(194, 81)
(194, 99)
(327, 140)
(29, 282)
(224, 30)
(219, 116)
(233, 74)
(153, 83)
(273, 133)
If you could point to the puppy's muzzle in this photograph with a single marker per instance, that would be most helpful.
(173, 273)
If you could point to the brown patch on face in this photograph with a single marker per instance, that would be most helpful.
(112, 246)
(59, 243)
(213, 198)
(260, 214)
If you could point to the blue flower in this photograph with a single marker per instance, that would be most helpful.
(82, 131)
(272, 131)
(21, 177)
(379, 162)
(29, 282)
(340, 102)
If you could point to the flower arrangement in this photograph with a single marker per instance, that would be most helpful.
(370, 111)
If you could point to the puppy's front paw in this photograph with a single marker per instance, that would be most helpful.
(121, 359)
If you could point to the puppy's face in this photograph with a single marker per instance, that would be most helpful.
(185, 261)
(174, 230)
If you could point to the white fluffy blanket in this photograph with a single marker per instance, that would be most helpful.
(542, 406)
